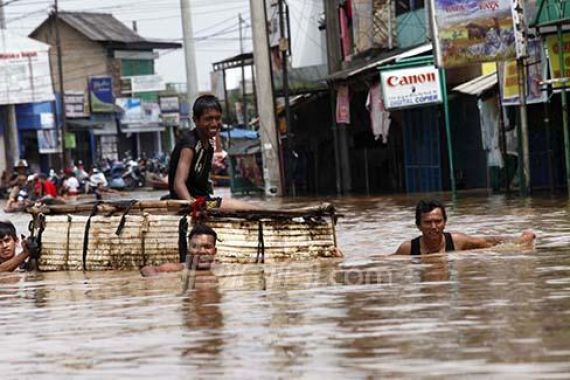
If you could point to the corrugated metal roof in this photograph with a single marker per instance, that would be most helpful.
(100, 27)
(105, 28)
(393, 56)
(477, 86)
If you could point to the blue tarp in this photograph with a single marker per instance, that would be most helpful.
(238, 133)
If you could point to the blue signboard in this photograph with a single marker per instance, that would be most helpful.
(101, 94)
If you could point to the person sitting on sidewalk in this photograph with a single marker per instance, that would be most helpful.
(431, 219)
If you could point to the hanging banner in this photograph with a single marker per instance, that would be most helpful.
(101, 94)
(217, 84)
(342, 105)
(536, 73)
(475, 31)
(554, 57)
(413, 87)
(24, 69)
(49, 141)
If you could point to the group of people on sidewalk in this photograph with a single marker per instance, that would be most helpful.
(24, 188)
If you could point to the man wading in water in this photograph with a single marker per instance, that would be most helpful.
(191, 159)
(431, 219)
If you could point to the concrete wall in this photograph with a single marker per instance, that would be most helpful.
(81, 57)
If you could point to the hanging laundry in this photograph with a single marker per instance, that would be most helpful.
(489, 115)
(379, 116)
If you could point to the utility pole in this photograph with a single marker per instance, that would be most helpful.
(339, 131)
(65, 157)
(284, 49)
(9, 139)
(265, 100)
(523, 130)
(2, 16)
(243, 87)
(189, 53)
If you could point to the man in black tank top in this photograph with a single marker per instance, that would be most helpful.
(191, 159)
(431, 219)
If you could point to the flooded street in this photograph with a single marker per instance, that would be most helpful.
(503, 313)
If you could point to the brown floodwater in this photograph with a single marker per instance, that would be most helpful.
(501, 313)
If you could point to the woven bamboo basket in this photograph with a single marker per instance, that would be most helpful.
(129, 235)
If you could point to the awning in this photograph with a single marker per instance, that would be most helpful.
(478, 85)
(141, 128)
(97, 127)
(393, 56)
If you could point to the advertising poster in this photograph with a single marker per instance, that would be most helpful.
(101, 94)
(49, 141)
(554, 57)
(413, 87)
(536, 72)
(473, 31)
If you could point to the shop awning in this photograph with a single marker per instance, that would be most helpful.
(393, 56)
(97, 127)
(478, 85)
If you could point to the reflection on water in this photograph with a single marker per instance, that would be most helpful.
(500, 313)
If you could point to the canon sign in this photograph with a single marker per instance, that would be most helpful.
(412, 87)
(405, 80)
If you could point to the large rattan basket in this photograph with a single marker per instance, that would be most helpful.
(130, 234)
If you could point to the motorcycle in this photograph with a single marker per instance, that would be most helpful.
(133, 175)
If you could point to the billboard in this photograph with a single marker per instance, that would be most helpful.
(474, 31)
(24, 69)
(101, 94)
(413, 87)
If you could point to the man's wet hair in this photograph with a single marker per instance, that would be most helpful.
(7, 229)
(204, 103)
(202, 229)
(424, 206)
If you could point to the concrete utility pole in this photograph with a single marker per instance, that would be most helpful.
(189, 53)
(243, 87)
(9, 145)
(284, 48)
(333, 59)
(66, 158)
(265, 100)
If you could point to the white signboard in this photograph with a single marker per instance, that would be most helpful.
(169, 104)
(145, 83)
(137, 112)
(75, 104)
(25, 75)
(411, 87)
(46, 120)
